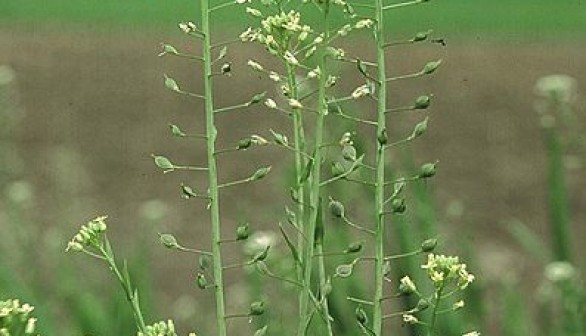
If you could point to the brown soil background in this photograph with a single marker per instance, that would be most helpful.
(95, 109)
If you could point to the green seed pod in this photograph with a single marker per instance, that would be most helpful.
(420, 128)
(226, 69)
(257, 308)
(344, 270)
(430, 67)
(244, 144)
(383, 137)
(422, 102)
(242, 232)
(354, 247)
(428, 245)
(398, 205)
(162, 162)
(349, 153)
(176, 131)
(204, 262)
(280, 139)
(187, 192)
(168, 49)
(261, 256)
(334, 108)
(336, 208)
(427, 170)
(422, 305)
(168, 240)
(257, 98)
(260, 173)
(360, 315)
(201, 281)
(421, 36)
(171, 84)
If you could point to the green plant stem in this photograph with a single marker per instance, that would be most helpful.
(434, 313)
(377, 320)
(314, 194)
(557, 196)
(211, 134)
(131, 295)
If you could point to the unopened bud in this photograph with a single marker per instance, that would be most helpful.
(336, 208)
(260, 173)
(244, 143)
(243, 232)
(422, 102)
(168, 240)
(420, 128)
(427, 170)
(354, 247)
(201, 281)
(430, 67)
(428, 245)
(257, 308)
(398, 205)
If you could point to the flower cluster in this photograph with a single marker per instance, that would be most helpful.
(15, 318)
(89, 235)
(161, 328)
(443, 269)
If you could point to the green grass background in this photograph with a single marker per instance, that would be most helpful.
(497, 19)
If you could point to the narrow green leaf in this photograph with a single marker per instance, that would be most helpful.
(292, 247)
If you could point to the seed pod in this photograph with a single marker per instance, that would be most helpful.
(244, 144)
(171, 84)
(257, 308)
(280, 139)
(430, 67)
(242, 232)
(187, 192)
(344, 270)
(163, 163)
(422, 102)
(421, 36)
(168, 49)
(427, 170)
(398, 205)
(354, 247)
(428, 245)
(201, 281)
(336, 208)
(260, 173)
(261, 256)
(419, 129)
(360, 315)
(168, 240)
(204, 262)
(257, 98)
(226, 68)
(176, 131)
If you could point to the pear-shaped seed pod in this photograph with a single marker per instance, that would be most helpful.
(427, 170)
(428, 245)
(257, 308)
(243, 232)
(422, 102)
(398, 205)
(336, 208)
(168, 240)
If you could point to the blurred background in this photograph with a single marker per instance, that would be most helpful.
(83, 107)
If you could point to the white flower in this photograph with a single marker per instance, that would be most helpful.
(274, 76)
(410, 319)
(458, 305)
(366, 23)
(256, 66)
(253, 11)
(472, 333)
(270, 103)
(242, 1)
(290, 58)
(408, 284)
(187, 27)
(361, 91)
(294, 103)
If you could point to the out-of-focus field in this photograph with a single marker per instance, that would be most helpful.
(91, 108)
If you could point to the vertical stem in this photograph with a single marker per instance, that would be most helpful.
(438, 298)
(298, 134)
(380, 173)
(314, 199)
(211, 133)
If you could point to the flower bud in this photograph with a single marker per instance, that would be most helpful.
(349, 153)
(171, 84)
(162, 162)
(407, 286)
(204, 262)
(176, 131)
(419, 129)
(421, 36)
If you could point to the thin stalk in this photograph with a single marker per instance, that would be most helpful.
(314, 193)
(438, 297)
(211, 134)
(130, 293)
(379, 201)
(299, 135)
